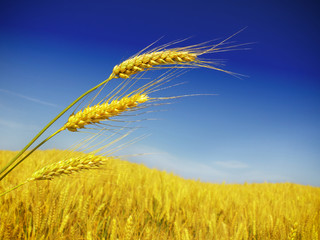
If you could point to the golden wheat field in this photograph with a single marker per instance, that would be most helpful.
(126, 201)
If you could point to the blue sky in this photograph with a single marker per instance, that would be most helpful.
(264, 127)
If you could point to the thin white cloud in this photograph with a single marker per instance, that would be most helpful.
(231, 164)
(17, 125)
(28, 98)
(156, 158)
(220, 171)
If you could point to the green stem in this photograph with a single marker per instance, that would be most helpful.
(13, 188)
(46, 127)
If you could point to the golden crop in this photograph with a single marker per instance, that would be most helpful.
(130, 201)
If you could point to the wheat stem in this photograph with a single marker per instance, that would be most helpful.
(19, 185)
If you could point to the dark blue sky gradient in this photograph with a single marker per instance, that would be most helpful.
(264, 127)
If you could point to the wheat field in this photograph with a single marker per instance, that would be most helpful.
(126, 201)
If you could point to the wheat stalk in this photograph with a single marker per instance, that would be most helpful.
(105, 111)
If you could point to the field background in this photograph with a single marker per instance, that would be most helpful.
(130, 201)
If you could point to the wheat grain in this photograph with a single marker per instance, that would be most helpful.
(176, 230)
(64, 223)
(185, 234)
(128, 231)
(146, 61)
(105, 111)
(113, 230)
(293, 232)
(69, 166)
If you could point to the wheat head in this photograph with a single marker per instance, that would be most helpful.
(69, 166)
(104, 111)
(180, 57)
(146, 61)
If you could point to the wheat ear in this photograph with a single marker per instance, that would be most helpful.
(105, 111)
(175, 58)
(69, 166)
(65, 167)
(146, 61)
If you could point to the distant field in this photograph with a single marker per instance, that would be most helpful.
(130, 201)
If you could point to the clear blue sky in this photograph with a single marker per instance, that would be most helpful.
(264, 127)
